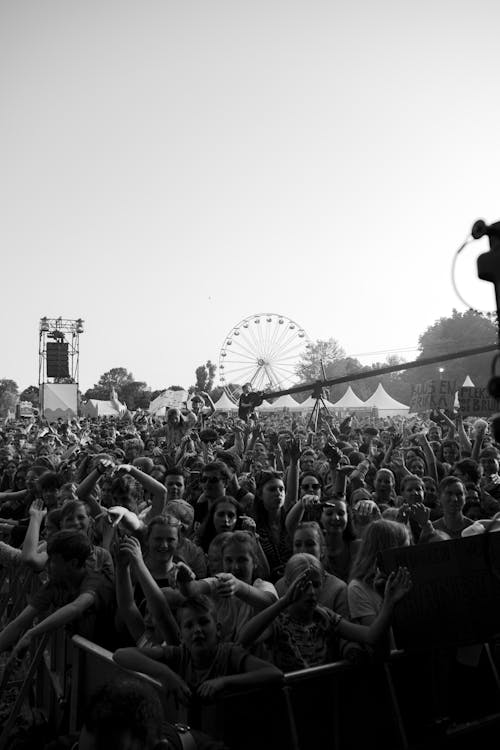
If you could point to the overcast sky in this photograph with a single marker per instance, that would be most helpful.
(170, 168)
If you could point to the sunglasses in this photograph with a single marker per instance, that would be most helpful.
(210, 480)
(310, 486)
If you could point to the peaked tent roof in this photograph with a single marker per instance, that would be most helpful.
(310, 403)
(283, 402)
(381, 400)
(96, 408)
(224, 403)
(349, 400)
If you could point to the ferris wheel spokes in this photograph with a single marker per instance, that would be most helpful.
(263, 349)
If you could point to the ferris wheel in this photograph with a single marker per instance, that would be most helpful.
(263, 350)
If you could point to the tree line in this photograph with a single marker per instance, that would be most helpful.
(446, 335)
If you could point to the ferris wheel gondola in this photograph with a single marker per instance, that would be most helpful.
(264, 350)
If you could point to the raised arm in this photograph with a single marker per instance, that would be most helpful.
(58, 619)
(30, 555)
(127, 607)
(157, 604)
(463, 438)
(430, 458)
(398, 584)
(292, 481)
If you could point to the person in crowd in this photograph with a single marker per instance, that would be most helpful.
(451, 493)
(269, 516)
(308, 538)
(238, 590)
(302, 633)
(202, 664)
(365, 588)
(72, 595)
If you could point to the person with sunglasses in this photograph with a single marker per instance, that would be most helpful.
(214, 478)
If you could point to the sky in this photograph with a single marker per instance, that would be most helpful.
(169, 169)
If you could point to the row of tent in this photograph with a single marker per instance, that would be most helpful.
(380, 400)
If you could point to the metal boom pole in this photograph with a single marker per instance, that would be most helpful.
(383, 371)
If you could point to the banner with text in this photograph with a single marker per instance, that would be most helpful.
(433, 394)
(476, 402)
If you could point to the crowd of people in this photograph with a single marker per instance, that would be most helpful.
(215, 552)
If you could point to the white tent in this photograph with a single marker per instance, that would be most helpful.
(96, 408)
(167, 400)
(386, 405)
(310, 403)
(349, 401)
(224, 403)
(466, 384)
(283, 402)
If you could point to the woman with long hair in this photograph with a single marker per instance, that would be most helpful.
(269, 512)
(363, 595)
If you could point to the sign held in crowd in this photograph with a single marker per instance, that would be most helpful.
(433, 395)
(476, 402)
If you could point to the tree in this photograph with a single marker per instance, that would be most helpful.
(8, 395)
(31, 394)
(205, 376)
(134, 393)
(321, 351)
(338, 369)
(459, 331)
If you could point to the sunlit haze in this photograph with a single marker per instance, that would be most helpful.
(170, 168)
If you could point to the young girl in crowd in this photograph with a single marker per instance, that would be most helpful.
(300, 632)
(339, 537)
(365, 601)
(222, 516)
(237, 590)
(270, 521)
(308, 538)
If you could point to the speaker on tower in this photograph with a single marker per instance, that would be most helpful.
(57, 360)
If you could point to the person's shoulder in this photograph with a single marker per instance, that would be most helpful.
(334, 582)
(265, 586)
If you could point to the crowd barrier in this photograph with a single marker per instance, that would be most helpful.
(393, 703)
(336, 705)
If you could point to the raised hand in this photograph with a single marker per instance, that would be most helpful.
(37, 511)
(297, 588)
(403, 514)
(248, 524)
(398, 584)
(125, 468)
(332, 453)
(396, 440)
(183, 573)
(420, 513)
(131, 547)
(227, 584)
(104, 464)
(295, 449)
(308, 500)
